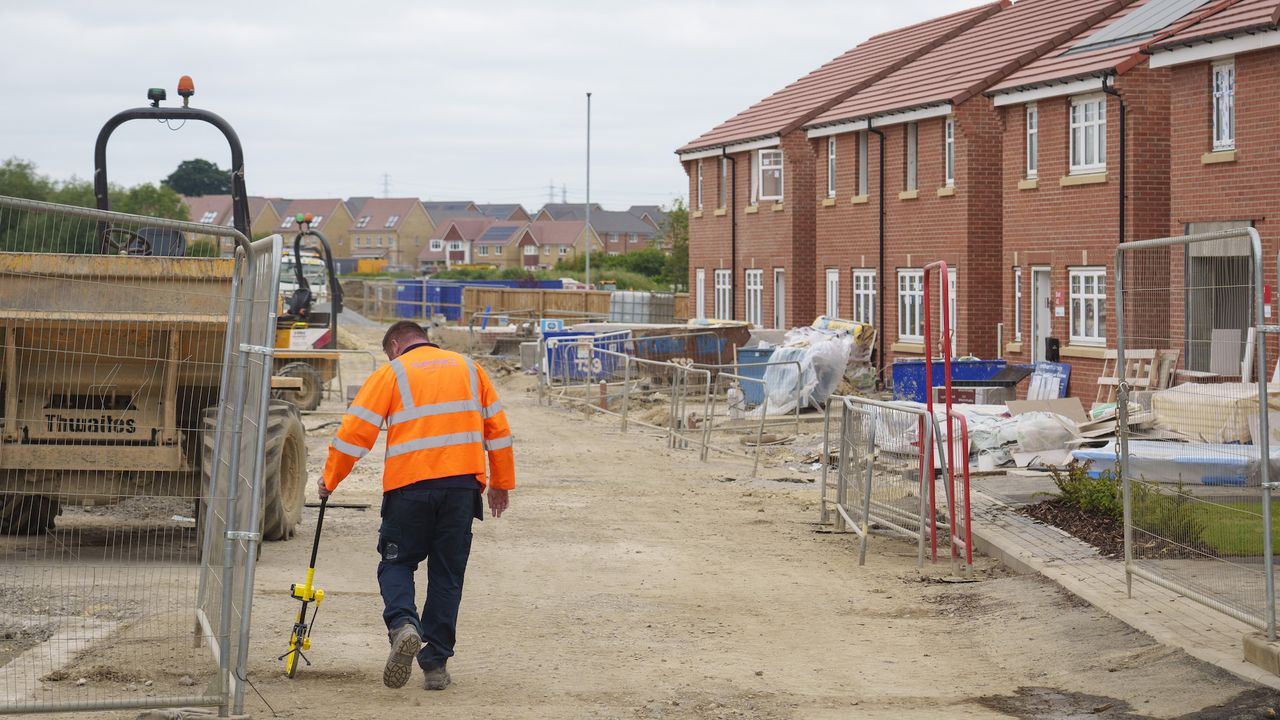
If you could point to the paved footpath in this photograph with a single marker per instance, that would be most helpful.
(1172, 619)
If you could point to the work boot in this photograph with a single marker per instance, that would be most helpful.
(404, 647)
(435, 678)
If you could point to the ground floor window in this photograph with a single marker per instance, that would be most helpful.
(755, 296)
(724, 295)
(1088, 305)
(1017, 304)
(833, 293)
(864, 296)
(911, 305)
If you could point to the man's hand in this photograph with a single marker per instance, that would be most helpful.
(321, 489)
(497, 501)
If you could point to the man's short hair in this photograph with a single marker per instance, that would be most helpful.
(405, 331)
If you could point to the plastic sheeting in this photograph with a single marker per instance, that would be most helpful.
(818, 359)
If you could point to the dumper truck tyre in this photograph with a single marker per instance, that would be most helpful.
(27, 514)
(308, 398)
(283, 469)
(284, 474)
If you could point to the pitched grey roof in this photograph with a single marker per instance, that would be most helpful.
(443, 211)
(655, 212)
(499, 211)
(356, 203)
(570, 211)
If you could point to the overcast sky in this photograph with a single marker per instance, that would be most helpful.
(480, 99)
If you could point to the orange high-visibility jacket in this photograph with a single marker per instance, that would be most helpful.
(442, 416)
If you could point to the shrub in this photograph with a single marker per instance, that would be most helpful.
(1102, 495)
(202, 247)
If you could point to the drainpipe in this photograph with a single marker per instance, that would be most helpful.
(1109, 87)
(880, 271)
(733, 231)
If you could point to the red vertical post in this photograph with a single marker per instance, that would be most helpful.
(945, 315)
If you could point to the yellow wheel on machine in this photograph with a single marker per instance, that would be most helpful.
(291, 659)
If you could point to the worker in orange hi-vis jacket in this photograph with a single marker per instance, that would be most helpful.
(443, 417)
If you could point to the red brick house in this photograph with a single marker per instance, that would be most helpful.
(1224, 77)
(751, 182)
(1062, 177)
(941, 198)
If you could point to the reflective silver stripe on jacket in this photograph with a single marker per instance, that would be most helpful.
(491, 410)
(497, 443)
(347, 448)
(440, 408)
(435, 441)
(402, 382)
(366, 415)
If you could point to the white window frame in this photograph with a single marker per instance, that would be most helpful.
(209, 217)
(437, 245)
(910, 305)
(911, 136)
(315, 221)
(391, 221)
(949, 152)
(699, 204)
(754, 288)
(723, 192)
(1223, 96)
(497, 249)
(564, 249)
(1087, 288)
(1087, 122)
(363, 221)
(863, 171)
(530, 251)
(1017, 304)
(700, 293)
(833, 293)
(864, 296)
(1033, 140)
(831, 166)
(770, 162)
(456, 245)
(287, 222)
(723, 294)
(483, 251)
(779, 298)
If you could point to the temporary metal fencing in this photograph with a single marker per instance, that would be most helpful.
(694, 405)
(1190, 313)
(880, 452)
(109, 364)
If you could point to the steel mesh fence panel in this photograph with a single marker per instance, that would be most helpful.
(1193, 452)
(113, 348)
(878, 451)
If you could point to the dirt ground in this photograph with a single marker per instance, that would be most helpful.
(628, 580)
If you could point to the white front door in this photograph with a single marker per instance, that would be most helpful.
(1041, 312)
(779, 298)
(700, 293)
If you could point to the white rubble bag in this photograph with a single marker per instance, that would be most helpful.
(816, 357)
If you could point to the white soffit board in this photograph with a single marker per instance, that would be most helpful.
(1221, 47)
(1040, 92)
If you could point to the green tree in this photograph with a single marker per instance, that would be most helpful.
(39, 232)
(199, 177)
(676, 228)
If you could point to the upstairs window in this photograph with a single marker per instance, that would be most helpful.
(363, 221)
(949, 151)
(1224, 105)
(209, 217)
(911, 182)
(698, 205)
(287, 222)
(1033, 140)
(831, 166)
(391, 221)
(770, 168)
(1088, 134)
(437, 245)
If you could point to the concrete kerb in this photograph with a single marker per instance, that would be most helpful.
(1027, 546)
